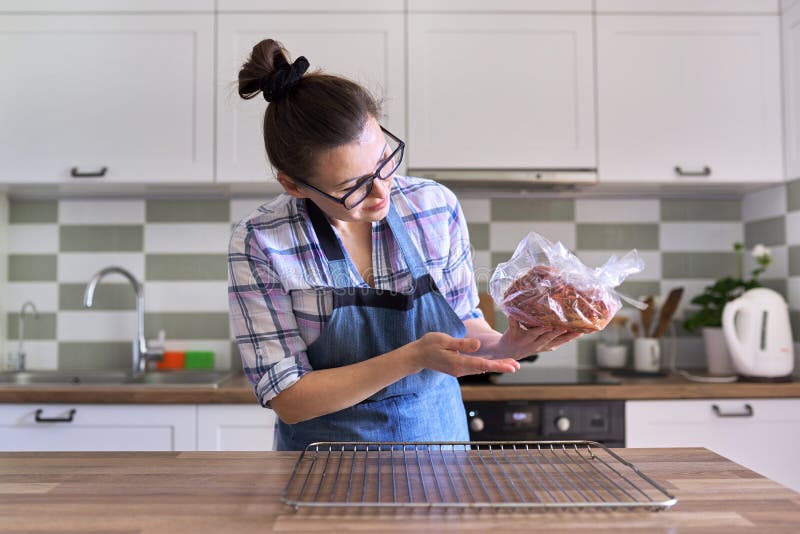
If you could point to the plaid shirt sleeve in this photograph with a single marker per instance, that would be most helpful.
(461, 291)
(262, 319)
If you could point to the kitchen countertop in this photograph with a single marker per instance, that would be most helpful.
(197, 492)
(238, 391)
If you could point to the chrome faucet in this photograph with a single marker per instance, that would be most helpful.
(141, 352)
(18, 363)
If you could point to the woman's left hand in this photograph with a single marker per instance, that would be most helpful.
(518, 342)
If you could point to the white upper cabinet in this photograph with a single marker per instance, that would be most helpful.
(368, 48)
(126, 97)
(791, 91)
(106, 6)
(500, 91)
(689, 98)
(689, 6)
(276, 6)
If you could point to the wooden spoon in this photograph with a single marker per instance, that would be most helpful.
(647, 315)
(668, 310)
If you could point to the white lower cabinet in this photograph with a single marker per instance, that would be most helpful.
(97, 427)
(234, 427)
(761, 434)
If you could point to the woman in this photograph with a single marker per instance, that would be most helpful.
(352, 296)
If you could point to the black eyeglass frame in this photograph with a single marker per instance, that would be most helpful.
(371, 179)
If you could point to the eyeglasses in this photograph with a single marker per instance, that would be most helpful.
(356, 194)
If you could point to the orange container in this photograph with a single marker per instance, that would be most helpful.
(172, 360)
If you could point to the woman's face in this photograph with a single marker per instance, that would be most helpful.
(339, 169)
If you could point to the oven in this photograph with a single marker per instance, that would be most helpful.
(602, 421)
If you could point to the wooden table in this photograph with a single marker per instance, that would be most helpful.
(197, 492)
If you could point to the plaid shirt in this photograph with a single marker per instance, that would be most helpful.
(280, 290)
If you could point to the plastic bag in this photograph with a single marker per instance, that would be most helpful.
(544, 284)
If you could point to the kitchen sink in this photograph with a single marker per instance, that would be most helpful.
(107, 378)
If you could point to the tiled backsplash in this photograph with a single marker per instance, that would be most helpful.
(177, 248)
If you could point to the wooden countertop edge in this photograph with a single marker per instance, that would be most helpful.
(199, 492)
(238, 391)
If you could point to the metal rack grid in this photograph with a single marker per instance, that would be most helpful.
(516, 475)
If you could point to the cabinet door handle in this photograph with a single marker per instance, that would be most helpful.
(75, 172)
(748, 412)
(66, 419)
(705, 171)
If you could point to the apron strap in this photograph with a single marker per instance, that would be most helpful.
(337, 263)
(332, 248)
(410, 252)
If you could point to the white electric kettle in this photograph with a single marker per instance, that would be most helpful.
(759, 335)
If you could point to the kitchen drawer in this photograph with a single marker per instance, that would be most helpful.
(107, 427)
(234, 427)
(760, 434)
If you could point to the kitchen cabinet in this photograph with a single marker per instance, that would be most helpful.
(790, 30)
(689, 98)
(760, 434)
(107, 97)
(689, 6)
(234, 427)
(366, 47)
(97, 427)
(500, 90)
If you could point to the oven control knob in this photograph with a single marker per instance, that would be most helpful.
(477, 424)
(562, 423)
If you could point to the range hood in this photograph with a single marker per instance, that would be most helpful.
(533, 179)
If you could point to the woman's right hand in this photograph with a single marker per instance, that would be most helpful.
(441, 352)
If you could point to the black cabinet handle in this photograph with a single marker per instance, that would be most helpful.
(75, 172)
(705, 171)
(67, 419)
(748, 412)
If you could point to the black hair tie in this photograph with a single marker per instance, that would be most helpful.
(284, 78)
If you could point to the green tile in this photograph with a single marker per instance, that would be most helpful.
(32, 267)
(500, 321)
(236, 358)
(586, 352)
(698, 264)
(188, 211)
(95, 355)
(499, 257)
(42, 327)
(186, 267)
(793, 195)
(639, 288)
(530, 209)
(617, 236)
(33, 211)
(479, 235)
(700, 210)
(107, 296)
(768, 232)
(794, 318)
(794, 260)
(680, 331)
(781, 285)
(101, 238)
(192, 325)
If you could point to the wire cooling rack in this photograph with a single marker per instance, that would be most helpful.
(524, 475)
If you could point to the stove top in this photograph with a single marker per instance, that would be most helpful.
(535, 375)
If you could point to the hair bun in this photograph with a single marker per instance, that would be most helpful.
(276, 84)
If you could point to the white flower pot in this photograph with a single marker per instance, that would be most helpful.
(717, 354)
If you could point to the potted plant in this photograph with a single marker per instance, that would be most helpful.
(712, 301)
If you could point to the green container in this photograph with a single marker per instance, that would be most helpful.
(199, 359)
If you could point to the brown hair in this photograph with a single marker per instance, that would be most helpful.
(320, 112)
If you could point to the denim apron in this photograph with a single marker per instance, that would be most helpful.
(366, 322)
